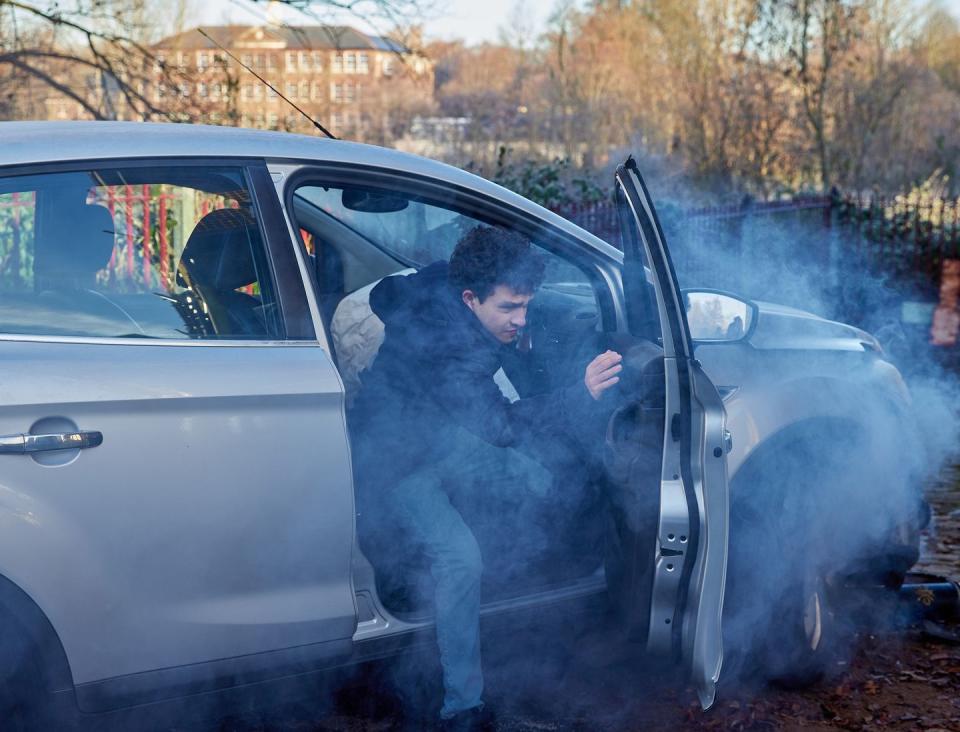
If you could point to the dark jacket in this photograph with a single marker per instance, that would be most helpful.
(435, 372)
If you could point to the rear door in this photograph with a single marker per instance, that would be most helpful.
(200, 522)
(690, 552)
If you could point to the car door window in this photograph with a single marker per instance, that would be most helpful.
(414, 231)
(139, 252)
(358, 234)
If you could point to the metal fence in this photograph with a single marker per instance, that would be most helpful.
(882, 262)
(906, 236)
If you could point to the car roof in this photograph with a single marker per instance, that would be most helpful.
(26, 143)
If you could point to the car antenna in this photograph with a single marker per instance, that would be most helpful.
(316, 124)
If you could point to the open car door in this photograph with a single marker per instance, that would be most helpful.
(689, 554)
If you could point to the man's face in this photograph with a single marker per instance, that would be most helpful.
(503, 313)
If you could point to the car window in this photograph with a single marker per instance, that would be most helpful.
(134, 252)
(413, 230)
(417, 233)
(351, 230)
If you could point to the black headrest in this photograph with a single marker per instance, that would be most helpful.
(219, 252)
(76, 243)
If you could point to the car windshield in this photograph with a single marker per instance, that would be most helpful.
(416, 234)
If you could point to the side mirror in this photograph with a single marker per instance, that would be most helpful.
(718, 317)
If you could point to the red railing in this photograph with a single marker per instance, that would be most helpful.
(148, 232)
(134, 210)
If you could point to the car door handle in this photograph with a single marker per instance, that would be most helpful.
(21, 444)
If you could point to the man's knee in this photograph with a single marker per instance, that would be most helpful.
(463, 559)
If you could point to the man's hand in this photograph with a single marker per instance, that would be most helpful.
(602, 372)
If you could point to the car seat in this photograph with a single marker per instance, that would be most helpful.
(74, 242)
(218, 260)
(72, 247)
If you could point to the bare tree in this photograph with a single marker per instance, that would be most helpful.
(98, 54)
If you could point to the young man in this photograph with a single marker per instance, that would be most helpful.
(430, 415)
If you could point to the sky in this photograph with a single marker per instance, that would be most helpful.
(471, 20)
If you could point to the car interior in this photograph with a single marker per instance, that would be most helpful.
(355, 237)
(74, 279)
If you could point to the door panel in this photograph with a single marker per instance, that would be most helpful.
(214, 521)
(691, 543)
(157, 305)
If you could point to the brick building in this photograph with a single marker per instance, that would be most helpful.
(357, 85)
(352, 82)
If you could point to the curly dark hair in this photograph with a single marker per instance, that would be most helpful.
(488, 256)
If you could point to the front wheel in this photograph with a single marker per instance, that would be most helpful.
(805, 641)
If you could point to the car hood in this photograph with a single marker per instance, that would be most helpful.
(783, 327)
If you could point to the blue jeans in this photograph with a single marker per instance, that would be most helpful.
(419, 508)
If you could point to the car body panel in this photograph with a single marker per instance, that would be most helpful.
(196, 531)
(770, 390)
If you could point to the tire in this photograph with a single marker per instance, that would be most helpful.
(780, 624)
(22, 682)
(810, 632)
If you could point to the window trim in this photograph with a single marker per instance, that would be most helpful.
(247, 166)
(481, 206)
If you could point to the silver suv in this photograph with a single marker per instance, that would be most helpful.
(183, 322)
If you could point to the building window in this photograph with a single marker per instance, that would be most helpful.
(349, 94)
(181, 60)
(273, 120)
(304, 89)
(317, 61)
(337, 63)
(388, 66)
(247, 59)
(363, 63)
(271, 93)
(336, 92)
(246, 91)
(260, 60)
(257, 91)
(271, 61)
(203, 90)
(350, 63)
(336, 120)
(316, 91)
(183, 90)
(291, 58)
(304, 61)
(259, 120)
(203, 60)
(291, 90)
(160, 62)
(216, 90)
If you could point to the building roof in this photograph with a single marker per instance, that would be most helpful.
(280, 36)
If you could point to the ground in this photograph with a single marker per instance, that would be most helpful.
(897, 679)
